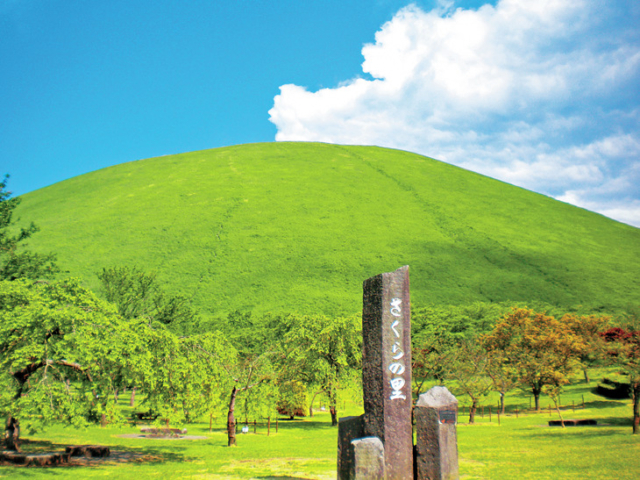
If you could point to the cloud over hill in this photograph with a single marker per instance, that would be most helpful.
(544, 95)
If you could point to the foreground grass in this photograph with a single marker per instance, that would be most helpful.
(520, 446)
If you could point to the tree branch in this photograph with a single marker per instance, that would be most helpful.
(23, 375)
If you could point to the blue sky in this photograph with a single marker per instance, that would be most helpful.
(545, 94)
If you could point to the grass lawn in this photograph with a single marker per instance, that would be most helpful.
(519, 447)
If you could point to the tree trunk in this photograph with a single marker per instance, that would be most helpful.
(231, 421)
(635, 391)
(536, 396)
(558, 410)
(313, 399)
(472, 410)
(586, 375)
(333, 409)
(210, 421)
(132, 402)
(12, 434)
(115, 395)
(334, 415)
(502, 403)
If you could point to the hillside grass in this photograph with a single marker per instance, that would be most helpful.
(519, 447)
(297, 227)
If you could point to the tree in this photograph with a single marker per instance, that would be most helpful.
(436, 333)
(588, 328)
(63, 355)
(15, 261)
(185, 377)
(246, 373)
(139, 298)
(324, 353)
(502, 374)
(292, 397)
(623, 347)
(430, 355)
(457, 321)
(468, 369)
(539, 349)
(137, 294)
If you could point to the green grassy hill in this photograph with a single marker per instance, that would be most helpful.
(299, 226)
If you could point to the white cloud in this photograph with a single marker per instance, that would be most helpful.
(542, 94)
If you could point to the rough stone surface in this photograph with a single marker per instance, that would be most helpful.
(33, 460)
(386, 332)
(349, 428)
(368, 454)
(436, 451)
(87, 451)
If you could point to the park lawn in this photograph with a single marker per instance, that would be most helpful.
(525, 447)
(301, 448)
(522, 446)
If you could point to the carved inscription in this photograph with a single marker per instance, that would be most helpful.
(397, 354)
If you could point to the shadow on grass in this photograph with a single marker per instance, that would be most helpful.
(305, 424)
(597, 431)
(604, 428)
(605, 404)
(618, 421)
(148, 455)
(37, 446)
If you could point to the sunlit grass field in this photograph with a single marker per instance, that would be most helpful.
(521, 446)
(297, 227)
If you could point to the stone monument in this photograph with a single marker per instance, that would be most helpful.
(386, 375)
(386, 368)
(379, 444)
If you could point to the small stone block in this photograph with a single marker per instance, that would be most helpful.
(436, 450)
(87, 451)
(33, 460)
(349, 428)
(368, 454)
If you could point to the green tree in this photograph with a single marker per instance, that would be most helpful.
(436, 333)
(502, 374)
(64, 354)
(251, 375)
(459, 321)
(246, 373)
(468, 370)
(292, 397)
(15, 261)
(588, 328)
(137, 294)
(324, 353)
(184, 378)
(539, 349)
